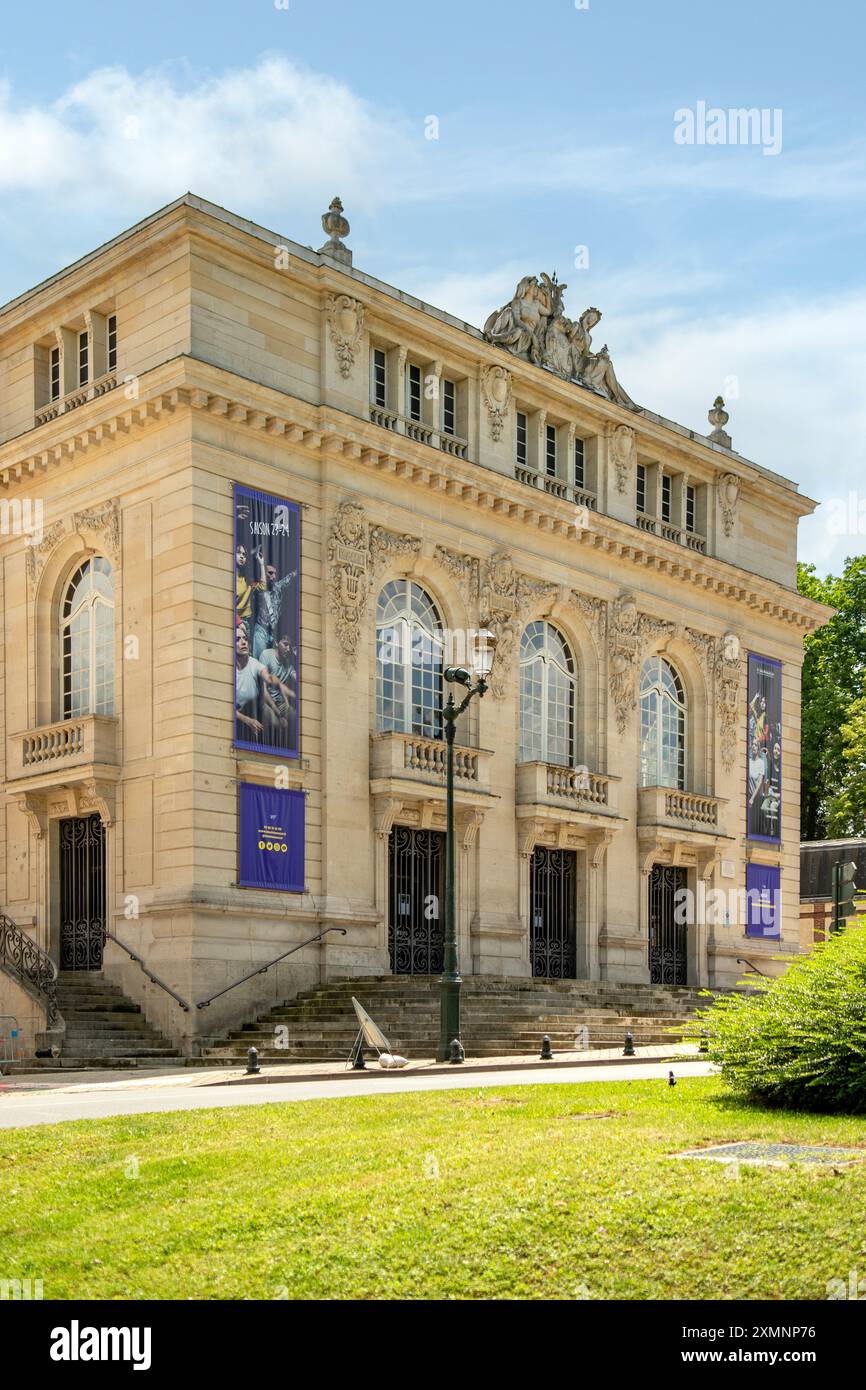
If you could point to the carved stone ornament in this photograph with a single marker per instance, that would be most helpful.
(465, 570)
(622, 452)
(498, 392)
(630, 632)
(533, 326)
(38, 554)
(104, 520)
(729, 496)
(346, 325)
(728, 677)
(504, 598)
(356, 553)
(595, 612)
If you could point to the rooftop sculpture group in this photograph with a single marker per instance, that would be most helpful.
(533, 326)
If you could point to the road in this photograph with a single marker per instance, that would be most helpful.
(25, 1108)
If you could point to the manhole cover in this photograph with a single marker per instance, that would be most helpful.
(757, 1152)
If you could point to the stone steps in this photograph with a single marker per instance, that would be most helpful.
(499, 1016)
(104, 1029)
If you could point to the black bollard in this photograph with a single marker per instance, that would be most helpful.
(546, 1054)
(253, 1067)
(628, 1050)
(457, 1053)
(672, 1081)
(358, 1063)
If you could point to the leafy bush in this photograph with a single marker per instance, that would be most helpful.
(800, 1040)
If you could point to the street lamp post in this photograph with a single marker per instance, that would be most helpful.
(483, 648)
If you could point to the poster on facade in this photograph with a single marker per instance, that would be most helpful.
(271, 838)
(764, 778)
(267, 622)
(763, 901)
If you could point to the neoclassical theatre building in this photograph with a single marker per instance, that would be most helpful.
(253, 501)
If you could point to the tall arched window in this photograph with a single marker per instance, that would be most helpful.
(409, 651)
(548, 686)
(662, 725)
(87, 637)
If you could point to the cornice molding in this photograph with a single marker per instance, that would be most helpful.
(186, 383)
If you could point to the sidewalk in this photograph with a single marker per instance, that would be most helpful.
(60, 1082)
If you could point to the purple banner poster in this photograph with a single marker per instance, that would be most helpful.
(271, 838)
(763, 901)
(266, 622)
(764, 754)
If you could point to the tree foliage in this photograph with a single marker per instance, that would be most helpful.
(834, 706)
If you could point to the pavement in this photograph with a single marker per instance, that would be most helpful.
(36, 1099)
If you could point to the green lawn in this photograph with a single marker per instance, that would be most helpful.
(531, 1192)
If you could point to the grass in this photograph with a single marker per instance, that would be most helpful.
(532, 1192)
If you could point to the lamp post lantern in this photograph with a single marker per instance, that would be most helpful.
(483, 647)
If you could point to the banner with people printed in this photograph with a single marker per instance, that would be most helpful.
(267, 622)
(764, 777)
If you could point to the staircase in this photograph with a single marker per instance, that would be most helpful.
(500, 1016)
(104, 1029)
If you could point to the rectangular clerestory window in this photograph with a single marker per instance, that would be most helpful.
(449, 407)
(579, 464)
(522, 437)
(640, 488)
(380, 377)
(111, 343)
(55, 373)
(666, 497)
(413, 391)
(690, 508)
(83, 359)
(550, 450)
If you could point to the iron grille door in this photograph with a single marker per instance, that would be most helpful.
(415, 901)
(667, 944)
(553, 892)
(82, 893)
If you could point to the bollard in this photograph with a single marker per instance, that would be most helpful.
(546, 1054)
(628, 1050)
(358, 1063)
(704, 1044)
(672, 1081)
(253, 1067)
(457, 1053)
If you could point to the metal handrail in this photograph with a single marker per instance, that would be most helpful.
(763, 974)
(203, 1003)
(24, 958)
(109, 936)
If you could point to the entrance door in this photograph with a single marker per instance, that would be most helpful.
(82, 893)
(553, 892)
(416, 896)
(667, 942)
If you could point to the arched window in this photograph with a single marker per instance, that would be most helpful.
(87, 637)
(409, 651)
(548, 685)
(662, 725)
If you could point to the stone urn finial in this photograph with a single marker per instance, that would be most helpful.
(718, 418)
(337, 227)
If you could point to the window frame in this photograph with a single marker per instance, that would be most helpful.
(522, 440)
(414, 393)
(83, 358)
(70, 611)
(547, 656)
(111, 343)
(433, 644)
(640, 489)
(657, 689)
(449, 406)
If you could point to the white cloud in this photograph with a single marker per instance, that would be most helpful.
(273, 131)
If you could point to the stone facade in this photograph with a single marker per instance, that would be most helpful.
(241, 358)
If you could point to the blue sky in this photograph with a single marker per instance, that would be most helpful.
(718, 268)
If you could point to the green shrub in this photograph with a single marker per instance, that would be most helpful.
(800, 1040)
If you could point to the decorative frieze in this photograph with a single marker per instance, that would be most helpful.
(505, 598)
(356, 554)
(630, 634)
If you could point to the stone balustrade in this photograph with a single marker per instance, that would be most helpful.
(424, 759)
(540, 783)
(73, 399)
(686, 810)
(67, 744)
